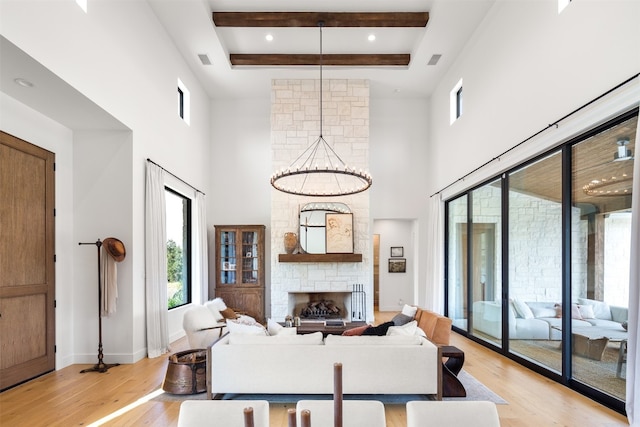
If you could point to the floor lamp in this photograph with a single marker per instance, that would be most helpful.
(119, 254)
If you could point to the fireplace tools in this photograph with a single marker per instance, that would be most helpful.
(358, 303)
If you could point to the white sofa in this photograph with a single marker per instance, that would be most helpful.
(303, 364)
(538, 320)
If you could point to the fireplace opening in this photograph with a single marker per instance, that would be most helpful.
(311, 306)
(321, 309)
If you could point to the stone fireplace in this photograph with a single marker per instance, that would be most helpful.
(295, 123)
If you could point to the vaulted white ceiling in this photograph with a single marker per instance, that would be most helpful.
(450, 26)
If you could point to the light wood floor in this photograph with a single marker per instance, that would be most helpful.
(117, 397)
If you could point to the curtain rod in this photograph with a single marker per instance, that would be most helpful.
(175, 176)
(538, 133)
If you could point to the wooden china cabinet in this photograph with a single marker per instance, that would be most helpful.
(239, 260)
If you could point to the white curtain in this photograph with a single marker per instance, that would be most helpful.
(156, 262)
(201, 256)
(435, 255)
(633, 362)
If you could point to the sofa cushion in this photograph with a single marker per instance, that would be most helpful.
(549, 311)
(275, 328)
(601, 309)
(306, 339)
(373, 340)
(407, 329)
(239, 328)
(435, 326)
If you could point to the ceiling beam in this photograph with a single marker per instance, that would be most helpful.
(329, 19)
(368, 60)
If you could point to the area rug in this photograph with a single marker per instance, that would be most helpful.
(475, 391)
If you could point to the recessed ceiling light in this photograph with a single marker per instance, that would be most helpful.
(371, 37)
(269, 37)
(23, 82)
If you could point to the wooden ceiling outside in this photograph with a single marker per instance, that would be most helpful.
(592, 160)
(329, 19)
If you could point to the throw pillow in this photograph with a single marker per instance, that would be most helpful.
(601, 309)
(356, 331)
(575, 312)
(522, 309)
(228, 313)
(558, 309)
(236, 327)
(401, 319)
(407, 329)
(409, 310)
(586, 311)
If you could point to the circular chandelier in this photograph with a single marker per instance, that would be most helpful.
(319, 171)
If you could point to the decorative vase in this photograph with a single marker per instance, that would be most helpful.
(290, 242)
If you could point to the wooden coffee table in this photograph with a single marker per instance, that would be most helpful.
(309, 327)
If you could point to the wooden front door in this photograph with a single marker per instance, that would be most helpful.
(27, 269)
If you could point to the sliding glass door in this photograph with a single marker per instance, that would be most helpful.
(535, 261)
(540, 256)
(457, 214)
(485, 253)
(602, 172)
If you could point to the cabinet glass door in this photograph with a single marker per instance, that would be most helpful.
(228, 257)
(249, 257)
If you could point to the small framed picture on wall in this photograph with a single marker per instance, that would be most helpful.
(397, 251)
(397, 265)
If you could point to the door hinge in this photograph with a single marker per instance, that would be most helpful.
(54, 166)
(54, 257)
(54, 212)
(55, 348)
(55, 303)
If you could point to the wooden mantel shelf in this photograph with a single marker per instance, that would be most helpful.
(320, 257)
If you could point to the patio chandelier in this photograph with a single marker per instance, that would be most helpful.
(319, 171)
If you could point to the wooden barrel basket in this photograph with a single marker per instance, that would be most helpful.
(186, 373)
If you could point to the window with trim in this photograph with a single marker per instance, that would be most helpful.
(178, 248)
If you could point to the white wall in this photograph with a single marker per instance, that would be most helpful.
(397, 289)
(526, 67)
(120, 57)
(399, 138)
